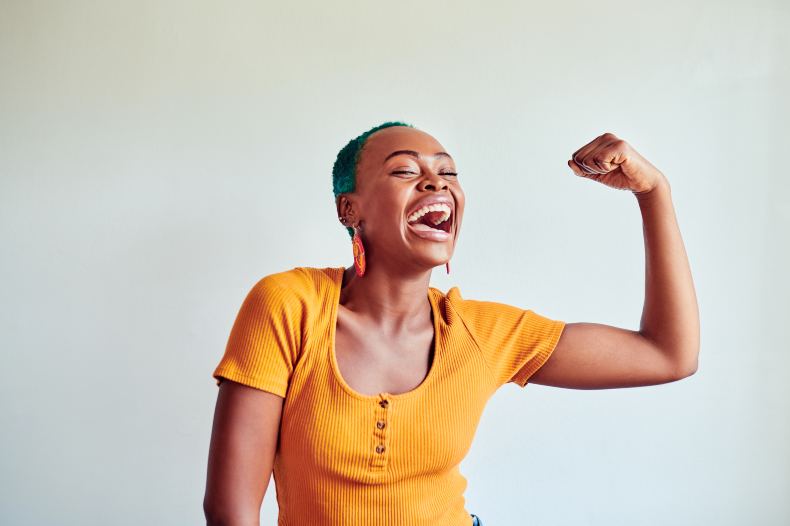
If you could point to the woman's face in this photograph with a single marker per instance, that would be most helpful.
(408, 200)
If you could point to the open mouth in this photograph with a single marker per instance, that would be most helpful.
(432, 218)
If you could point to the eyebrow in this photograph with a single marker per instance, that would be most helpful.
(413, 154)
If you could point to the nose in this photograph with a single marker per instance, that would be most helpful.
(432, 182)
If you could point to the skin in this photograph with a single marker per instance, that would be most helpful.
(391, 301)
(666, 346)
(241, 454)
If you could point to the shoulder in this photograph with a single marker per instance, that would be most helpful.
(472, 308)
(488, 319)
(299, 279)
(306, 286)
(469, 315)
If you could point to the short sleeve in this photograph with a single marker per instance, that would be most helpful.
(265, 340)
(515, 342)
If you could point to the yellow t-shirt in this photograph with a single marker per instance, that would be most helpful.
(387, 459)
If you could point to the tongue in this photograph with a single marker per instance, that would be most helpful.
(427, 222)
(431, 218)
(425, 228)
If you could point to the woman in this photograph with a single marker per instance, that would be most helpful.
(362, 387)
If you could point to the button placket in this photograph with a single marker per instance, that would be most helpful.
(380, 452)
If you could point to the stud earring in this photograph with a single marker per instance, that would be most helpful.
(359, 253)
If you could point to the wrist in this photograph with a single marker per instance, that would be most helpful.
(662, 188)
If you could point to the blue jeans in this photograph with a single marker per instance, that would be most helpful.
(476, 520)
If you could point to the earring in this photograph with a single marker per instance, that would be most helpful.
(447, 266)
(359, 253)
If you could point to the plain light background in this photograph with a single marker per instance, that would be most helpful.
(158, 158)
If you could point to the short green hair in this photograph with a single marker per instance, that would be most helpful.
(344, 172)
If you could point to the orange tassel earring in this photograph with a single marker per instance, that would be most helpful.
(359, 253)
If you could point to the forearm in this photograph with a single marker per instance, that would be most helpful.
(670, 317)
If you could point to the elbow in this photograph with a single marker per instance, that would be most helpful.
(686, 368)
(686, 372)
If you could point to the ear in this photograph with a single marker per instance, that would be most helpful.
(346, 208)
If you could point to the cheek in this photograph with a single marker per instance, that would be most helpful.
(459, 212)
(460, 203)
(387, 216)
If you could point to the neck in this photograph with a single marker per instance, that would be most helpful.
(390, 299)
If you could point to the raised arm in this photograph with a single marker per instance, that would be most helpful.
(241, 454)
(666, 346)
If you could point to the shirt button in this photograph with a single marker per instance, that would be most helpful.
(380, 424)
(379, 449)
(384, 403)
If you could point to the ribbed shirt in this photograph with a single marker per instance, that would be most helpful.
(346, 458)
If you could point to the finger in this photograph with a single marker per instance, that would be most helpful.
(609, 156)
(594, 156)
(587, 168)
(590, 145)
(603, 157)
(578, 170)
(579, 160)
(580, 155)
(577, 152)
(591, 169)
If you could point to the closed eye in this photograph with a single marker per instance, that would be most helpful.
(415, 173)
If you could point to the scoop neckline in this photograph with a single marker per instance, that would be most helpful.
(337, 280)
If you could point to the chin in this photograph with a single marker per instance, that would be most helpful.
(432, 259)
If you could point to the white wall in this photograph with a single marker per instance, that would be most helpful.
(157, 158)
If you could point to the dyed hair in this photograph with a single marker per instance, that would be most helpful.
(344, 172)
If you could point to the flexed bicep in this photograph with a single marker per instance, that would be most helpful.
(598, 356)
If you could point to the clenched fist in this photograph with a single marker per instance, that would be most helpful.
(613, 162)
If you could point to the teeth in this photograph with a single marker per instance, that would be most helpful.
(437, 207)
